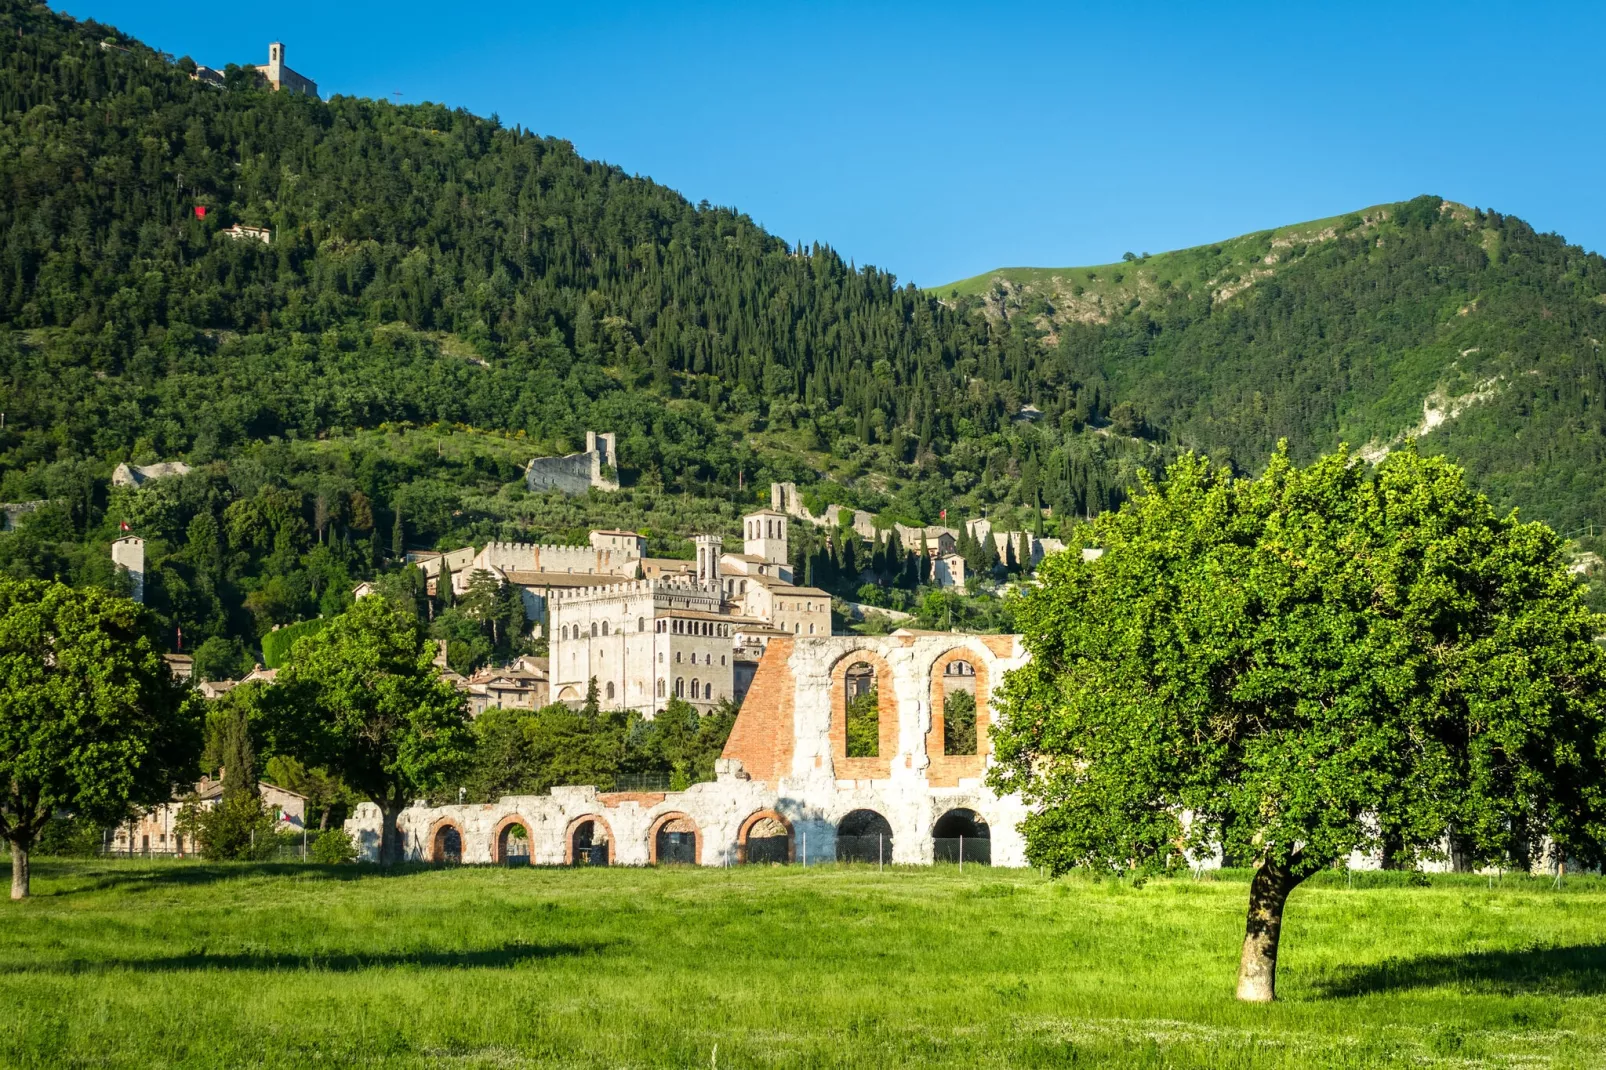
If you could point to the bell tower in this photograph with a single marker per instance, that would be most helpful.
(764, 536)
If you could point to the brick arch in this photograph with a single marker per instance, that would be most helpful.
(435, 830)
(879, 767)
(568, 837)
(747, 826)
(502, 826)
(945, 770)
(665, 818)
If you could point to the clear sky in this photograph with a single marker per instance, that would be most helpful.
(939, 141)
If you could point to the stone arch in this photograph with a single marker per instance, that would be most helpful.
(878, 767)
(443, 835)
(500, 839)
(577, 826)
(864, 835)
(662, 849)
(945, 770)
(961, 832)
(757, 842)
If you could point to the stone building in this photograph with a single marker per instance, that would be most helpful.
(676, 633)
(128, 554)
(280, 77)
(134, 475)
(576, 473)
(157, 831)
(788, 790)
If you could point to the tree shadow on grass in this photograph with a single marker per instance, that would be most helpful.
(503, 957)
(125, 876)
(1576, 970)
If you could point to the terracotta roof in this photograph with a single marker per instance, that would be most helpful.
(563, 579)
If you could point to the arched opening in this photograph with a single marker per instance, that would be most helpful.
(448, 846)
(589, 843)
(959, 708)
(609, 690)
(961, 835)
(862, 708)
(513, 844)
(674, 841)
(604, 627)
(864, 836)
(765, 838)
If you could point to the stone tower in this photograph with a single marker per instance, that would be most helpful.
(764, 536)
(128, 554)
(709, 547)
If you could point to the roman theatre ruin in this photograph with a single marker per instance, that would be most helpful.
(846, 748)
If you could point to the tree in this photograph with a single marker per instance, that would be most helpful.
(364, 700)
(91, 720)
(1300, 666)
(236, 827)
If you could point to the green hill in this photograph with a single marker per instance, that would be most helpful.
(443, 297)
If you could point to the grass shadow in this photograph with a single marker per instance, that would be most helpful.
(1576, 970)
(116, 876)
(503, 957)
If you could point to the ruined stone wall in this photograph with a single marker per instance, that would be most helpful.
(785, 759)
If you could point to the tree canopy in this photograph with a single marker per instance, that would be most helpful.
(364, 700)
(91, 720)
(1296, 667)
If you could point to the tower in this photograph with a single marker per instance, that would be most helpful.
(128, 554)
(764, 536)
(275, 71)
(709, 547)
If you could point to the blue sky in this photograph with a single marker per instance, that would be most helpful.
(939, 141)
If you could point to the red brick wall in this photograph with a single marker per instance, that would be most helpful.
(763, 736)
(879, 767)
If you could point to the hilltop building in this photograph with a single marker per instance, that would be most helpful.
(128, 554)
(576, 473)
(280, 77)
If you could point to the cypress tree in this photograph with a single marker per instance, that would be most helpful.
(398, 542)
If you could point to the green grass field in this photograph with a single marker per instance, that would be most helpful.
(129, 964)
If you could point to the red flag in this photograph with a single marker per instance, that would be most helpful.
(123, 526)
(945, 514)
(181, 640)
(200, 211)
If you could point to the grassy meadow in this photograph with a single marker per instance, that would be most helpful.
(147, 964)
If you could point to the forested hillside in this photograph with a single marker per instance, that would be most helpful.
(444, 297)
(1461, 326)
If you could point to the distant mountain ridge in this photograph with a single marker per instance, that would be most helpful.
(1429, 319)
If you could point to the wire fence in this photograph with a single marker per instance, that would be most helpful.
(975, 850)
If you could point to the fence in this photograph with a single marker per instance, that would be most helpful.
(961, 849)
(876, 850)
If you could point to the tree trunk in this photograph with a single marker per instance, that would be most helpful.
(390, 845)
(19, 870)
(1257, 968)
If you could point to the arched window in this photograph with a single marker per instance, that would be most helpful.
(565, 632)
(593, 629)
(677, 657)
(660, 689)
(811, 629)
(680, 687)
(660, 657)
(959, 734)
(722, 659)
(641, 624)
(604, 627)
(708, 691)
(696, 689)
(862, 708)
(608, 691)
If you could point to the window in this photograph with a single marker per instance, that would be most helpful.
(609, 691)
(677, 657)
(708, 691)
(593, 629)
(565, 631)
(811, 629)
(660, 689)
(722, 659)
(680, 687)
(862, 710)
(660, 657)
(641, 624)
(696, 689)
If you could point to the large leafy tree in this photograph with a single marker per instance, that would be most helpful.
(91, 720)
(364, 700)
(1300, 666)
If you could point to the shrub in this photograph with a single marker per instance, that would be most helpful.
(333, 847)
